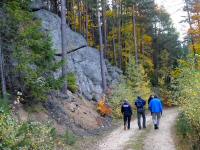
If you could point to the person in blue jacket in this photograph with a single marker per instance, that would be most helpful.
(127, 113)
(156, 108)
(140, 104)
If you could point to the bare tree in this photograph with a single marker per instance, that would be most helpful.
(119, 36)
(191, 36)
(3, 82)
(135, 35)
(101, 49)
(64, 44)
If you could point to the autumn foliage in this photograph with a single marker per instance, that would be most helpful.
(103, 108)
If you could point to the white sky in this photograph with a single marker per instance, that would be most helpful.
(175, 9)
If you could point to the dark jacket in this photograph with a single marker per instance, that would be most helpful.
(140, 103)
(149, 100)
(126, 109)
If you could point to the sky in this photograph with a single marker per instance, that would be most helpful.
(175, 9)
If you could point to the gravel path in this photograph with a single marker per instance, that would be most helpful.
(155, 139)
(162, 139)
(118, 139)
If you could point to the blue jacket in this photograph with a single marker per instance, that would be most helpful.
(126, 109)
(155, 106)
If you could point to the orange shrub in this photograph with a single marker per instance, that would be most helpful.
(103, 108)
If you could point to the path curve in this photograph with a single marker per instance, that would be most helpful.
(119, 138)
(162, 139)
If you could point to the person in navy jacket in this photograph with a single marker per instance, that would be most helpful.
(140, 104)
(156, 108)
(127, 113)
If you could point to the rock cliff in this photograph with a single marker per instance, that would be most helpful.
(82, 60)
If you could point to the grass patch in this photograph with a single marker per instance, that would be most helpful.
(137, 142)
(35, 108)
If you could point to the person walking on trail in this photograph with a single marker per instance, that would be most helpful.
(156, 108)
(127, 113)
(150, 98)
(140, 104)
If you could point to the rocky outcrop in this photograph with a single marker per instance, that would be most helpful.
(51, 25)
(82, 60)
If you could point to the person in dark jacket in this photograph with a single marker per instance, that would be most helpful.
(156, 108)
(127, 113)
(150, 98)
(140, 104)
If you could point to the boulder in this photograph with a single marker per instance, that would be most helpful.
(51, 25)
(85, 63)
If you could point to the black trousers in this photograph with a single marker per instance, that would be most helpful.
(139, 115)
(127, 118)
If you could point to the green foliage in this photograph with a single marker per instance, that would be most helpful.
(24, 135)
(120, 92)
(183, 126)
(186, 87)
(69, 138)
(71, 82)
(138, 80)
(31, 49)
(136, 83)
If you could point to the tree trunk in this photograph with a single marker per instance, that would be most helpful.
(135, 36)
(191, 36)
(3, 82)
(101, 51)
(119, 39)
(104, 26)
(64, 46)
(74, 14)
(79, 16)
(114, 53)
(86, 23)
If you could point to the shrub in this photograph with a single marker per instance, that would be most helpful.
(71, 82)
(186, 91)
(69, 138)
(136, 83)
(120, 92)
(27, 135)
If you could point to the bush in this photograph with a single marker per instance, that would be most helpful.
(136, 83)
(69, 138)
(71, 82)
(186, 85)
(120, 92)
(28, 135)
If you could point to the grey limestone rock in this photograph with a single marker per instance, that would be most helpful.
(51, 25)
(82, 60)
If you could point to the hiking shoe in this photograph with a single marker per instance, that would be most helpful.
(124, 127)
(155, 126)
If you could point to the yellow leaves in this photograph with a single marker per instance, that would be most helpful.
(176, 73)
(147, 39)
(110, 14)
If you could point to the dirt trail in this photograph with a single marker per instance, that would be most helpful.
(162, 139)
(118, 139)
(155, 140)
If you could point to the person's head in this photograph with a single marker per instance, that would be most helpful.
(155, 96)
(139, 97)
(151, 96)
(125, 101)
